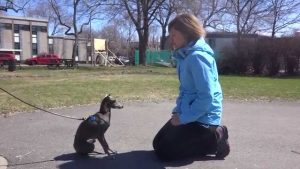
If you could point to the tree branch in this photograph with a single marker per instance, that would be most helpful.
(10, 5)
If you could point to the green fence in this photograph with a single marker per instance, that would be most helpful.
(154, 56)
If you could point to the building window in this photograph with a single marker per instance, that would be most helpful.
(43, 28)
(17, 41)
(25, 27)
(17, 45)
(16, 28)
(34, 49)
(34, 40)
(89, 50)
(6, 26)
(50, 44)
(17, 38)
(34, 30)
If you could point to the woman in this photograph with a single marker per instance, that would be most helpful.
(194, 129)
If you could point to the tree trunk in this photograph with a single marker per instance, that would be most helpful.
(142, 50)
(74, 53)
(273, 28)
(143, 37)
(163, 39)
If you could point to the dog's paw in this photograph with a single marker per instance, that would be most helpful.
(112, 151)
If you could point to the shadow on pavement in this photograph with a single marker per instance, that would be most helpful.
(133, 160)
(190, 161)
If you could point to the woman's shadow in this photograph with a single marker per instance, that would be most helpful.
(133, 160)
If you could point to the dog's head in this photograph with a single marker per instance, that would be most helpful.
(111, 102)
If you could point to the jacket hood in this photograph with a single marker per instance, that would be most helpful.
(199, 45)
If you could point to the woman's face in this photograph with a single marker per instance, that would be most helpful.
(177, 39)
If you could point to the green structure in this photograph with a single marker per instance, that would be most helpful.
(155, 57)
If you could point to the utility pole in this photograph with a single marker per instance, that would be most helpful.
(91, 42)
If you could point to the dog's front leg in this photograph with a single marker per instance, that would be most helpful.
(105, 146)
(108, 149)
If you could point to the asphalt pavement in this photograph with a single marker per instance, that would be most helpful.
(262, 135)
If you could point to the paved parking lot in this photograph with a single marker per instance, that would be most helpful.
(263, 135)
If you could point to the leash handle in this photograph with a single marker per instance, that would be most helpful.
(70, 117)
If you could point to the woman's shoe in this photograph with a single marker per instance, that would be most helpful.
(223, 147)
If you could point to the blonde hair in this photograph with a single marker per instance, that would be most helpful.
(189, 25)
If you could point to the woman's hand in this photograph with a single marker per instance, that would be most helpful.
(175, 119)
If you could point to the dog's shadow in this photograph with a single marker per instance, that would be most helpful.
(133, 160)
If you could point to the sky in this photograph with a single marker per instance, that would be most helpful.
(97, 25)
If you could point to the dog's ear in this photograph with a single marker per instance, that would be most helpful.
(107, 97)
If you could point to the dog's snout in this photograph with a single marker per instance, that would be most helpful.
(116, 105)
(119, 106)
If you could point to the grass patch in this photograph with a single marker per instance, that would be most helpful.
(57, 88)
(261, 88)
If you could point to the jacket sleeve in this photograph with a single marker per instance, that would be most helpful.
(203, 77)
(176, 109)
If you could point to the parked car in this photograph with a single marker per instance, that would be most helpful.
(44, 59)
(122, 60)
(7, 57)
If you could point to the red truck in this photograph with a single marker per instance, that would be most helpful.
(7, 57)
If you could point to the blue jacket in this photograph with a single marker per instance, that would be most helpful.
(200, 94)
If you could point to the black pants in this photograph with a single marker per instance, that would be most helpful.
(184, 141)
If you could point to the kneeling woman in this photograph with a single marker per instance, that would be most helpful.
(194, 129)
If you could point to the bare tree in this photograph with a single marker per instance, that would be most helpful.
(209, 11)
(116, 40)
(141, 13)
(75, 15)
(246, 14)
(128, 30)
(154, 36)
(163, 15)
(43, 9)
(282, 14)
(127, 27)
(16, 6)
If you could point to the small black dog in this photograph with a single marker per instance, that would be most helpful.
(94, 127)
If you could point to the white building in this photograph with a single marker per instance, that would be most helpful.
(30, 36)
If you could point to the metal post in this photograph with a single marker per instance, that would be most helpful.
(92, 45)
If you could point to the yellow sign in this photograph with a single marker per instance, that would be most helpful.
(99, 44)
